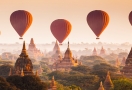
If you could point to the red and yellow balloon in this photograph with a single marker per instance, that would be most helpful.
(60, 29)
(21, 20)
(98, 21)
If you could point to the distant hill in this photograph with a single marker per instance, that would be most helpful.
(92, 60)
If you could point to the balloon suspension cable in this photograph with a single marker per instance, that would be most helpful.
(97, 38)
(60, 44)
(20, 38)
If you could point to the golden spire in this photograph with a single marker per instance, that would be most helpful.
(22, 73)
(108, 83)
(101, 86)
(10, 72)
(68, 53)
(68, 44)
(23, 53)
(32, 41)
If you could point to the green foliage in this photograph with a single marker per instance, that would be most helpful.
(29, 82)
(102, 69)
(92, 60)
(81, 68)
(4, 85)
(122, 84)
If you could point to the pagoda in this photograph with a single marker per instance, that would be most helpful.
(23, 65)
(102, 52)
(94, 52)
(56, 51)
(101, 86)
(53, 84)
(117, 63)
(123, 61)
(108, 85)
(33, 51)
(65, 64)
(127, 69)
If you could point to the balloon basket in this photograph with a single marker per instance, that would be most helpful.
(60, 44)
(97, 38)
(20, 38)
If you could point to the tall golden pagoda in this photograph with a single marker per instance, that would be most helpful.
(108, 85)
(127, 69)
(101, 86)
(23, 64)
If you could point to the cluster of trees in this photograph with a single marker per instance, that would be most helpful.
(85, 77)
(22, 83)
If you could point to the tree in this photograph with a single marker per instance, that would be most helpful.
(102, 69)
(122, 84)
(4, 70)
(81, 68)
(4, 85)
(29, 82)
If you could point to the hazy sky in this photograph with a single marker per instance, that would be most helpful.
(44, 12)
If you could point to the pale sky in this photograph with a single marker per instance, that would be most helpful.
(44, 12)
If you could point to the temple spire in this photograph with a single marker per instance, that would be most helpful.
(32, 41)
(108, 85)
(23, 53)
(101, 86)
(24, 47)
(68, 44)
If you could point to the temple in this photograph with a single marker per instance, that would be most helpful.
(94, 52)
(108, 85)
(117, 63)
(65, 64)
(127, 69)
(33, 51)
(102, 52)
(101, 86)
(53, 84)
(23, 65)
(123, 61)
(56, 51)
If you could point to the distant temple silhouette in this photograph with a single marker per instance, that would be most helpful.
(102, 52)
(56, 51)
(33, 51)
(94, 52)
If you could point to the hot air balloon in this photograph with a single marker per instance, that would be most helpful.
(60, 29)
(130, 17)
(97, 21)
(21, 21)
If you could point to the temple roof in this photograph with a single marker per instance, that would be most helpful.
(56, 47)
(129, 58)
(24, 52)
(94, 51)
(31, 41)
(108, 83)
(68, 53)
(101, 86)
